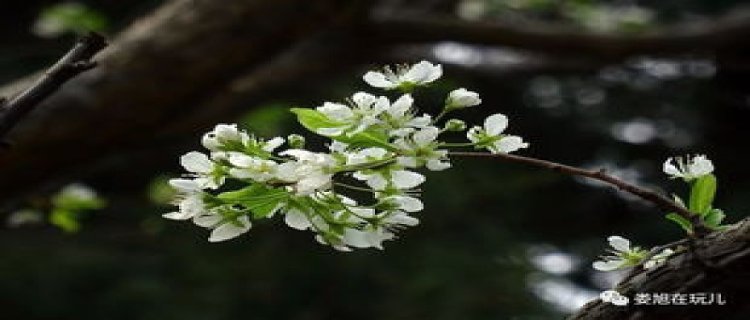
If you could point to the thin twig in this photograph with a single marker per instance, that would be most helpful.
(76, 61)
(651, 196)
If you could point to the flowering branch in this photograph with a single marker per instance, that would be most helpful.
(651, 196)
(76, 61)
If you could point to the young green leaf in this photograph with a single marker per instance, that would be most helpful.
(702, 194)
(714, 218)
(681, 221)
(314, 120)
(262, 201)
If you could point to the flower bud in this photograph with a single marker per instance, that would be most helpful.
(462, 98)
(455, 125)
(296, 141)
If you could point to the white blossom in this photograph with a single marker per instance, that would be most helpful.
(390, 177)
(404, 77)
(400, 117)
(623, 255)
(223, 135)
(247, 167)
(361, 115)
(687, 168)
(421, 150)
(223, 228)
(189, 200)
(490, 136)
(462, 98)
(202, 169)
(310, 172)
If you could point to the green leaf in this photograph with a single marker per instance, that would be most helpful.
(65, 220)
(71, 17)
(702, 194)
(314, 120)
(681, 221)
(260, 200)
(714, 218)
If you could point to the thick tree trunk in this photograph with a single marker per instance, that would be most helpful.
(162, 72)
(723, 267)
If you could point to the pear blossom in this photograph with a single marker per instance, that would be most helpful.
(223, 228)
(490, 136)
(405, 77)
(247, 167)
(462, 98)
(202, 169)
(623, 255)
(361, 115)
(224, 136)
(687, 168)
(390, 177)
(189, 200)
(400, 118)
(309, 173)
(421, 150)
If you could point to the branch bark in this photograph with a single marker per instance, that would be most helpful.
(695, 37)
(651, 196)
(76, 61)
(723, 268)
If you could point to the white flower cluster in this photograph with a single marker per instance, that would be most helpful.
(688, 168)
(624, 256)
(377, 144)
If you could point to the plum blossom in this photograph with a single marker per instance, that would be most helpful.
(405, 77)
(224, 136)
(687, 168)
(490, 136)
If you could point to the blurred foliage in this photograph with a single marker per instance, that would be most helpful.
(69, 17)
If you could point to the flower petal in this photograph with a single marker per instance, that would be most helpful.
(403, 179)
(230, 230)
(619, 243)
(297, 219)
(495, 124)
(378, 80)
(196, 162)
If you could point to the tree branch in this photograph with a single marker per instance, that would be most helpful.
(552, 38)
(651, 196)
(76, 61)
(728, 254)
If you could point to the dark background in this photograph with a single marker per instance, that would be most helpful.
(497, 240)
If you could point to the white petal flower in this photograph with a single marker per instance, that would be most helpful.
(420, 149)
(296, 219)
(658, 259)
(230, 229)
(403, 179)
(495, 124)
(405, 77)
(619, 243)
(423, 72)
(687, 168)
(462, 98)
(624, 255)
(311, 172)
(490, 136)
(197, 162)
(223, 135)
